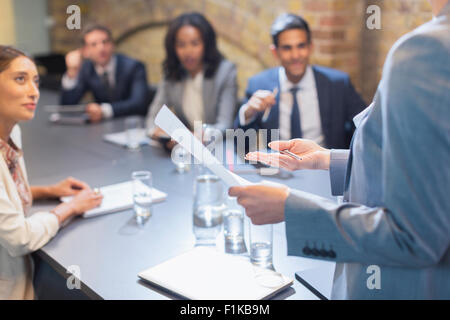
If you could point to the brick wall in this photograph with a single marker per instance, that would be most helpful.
(340, 36)
(398, 18)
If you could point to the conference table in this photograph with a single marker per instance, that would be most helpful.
(110, 250)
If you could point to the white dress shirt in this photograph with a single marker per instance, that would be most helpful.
(308, 103)
(70, 83)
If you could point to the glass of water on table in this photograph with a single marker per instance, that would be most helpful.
(261, 249)
(133, 130)
(142, 195)
(261, 245)
(207, 210)
(233, 227)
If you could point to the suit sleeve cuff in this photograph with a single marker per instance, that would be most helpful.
(338, 168)
(107, 110)
(68, 83)
(242, 121)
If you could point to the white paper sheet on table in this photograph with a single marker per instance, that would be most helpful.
(167, 121)
(120, 138)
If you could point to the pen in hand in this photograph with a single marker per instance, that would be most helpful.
(293, 155)
(267, 112)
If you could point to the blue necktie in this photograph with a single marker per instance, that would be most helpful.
(296, 127)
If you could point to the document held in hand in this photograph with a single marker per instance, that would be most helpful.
(167, 121)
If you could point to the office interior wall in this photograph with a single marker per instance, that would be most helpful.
(7, 28)
(31, 25)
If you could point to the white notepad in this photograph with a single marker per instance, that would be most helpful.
(118, 197)
(206, 274)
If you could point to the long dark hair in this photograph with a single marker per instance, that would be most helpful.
(172, 67)
(7, 55)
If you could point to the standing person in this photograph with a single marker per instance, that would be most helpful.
(21, 234)
(199, 83)
(395, 180)
(117, 82)
(301, 100)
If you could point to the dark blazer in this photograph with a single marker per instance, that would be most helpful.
(338, 104)
(130, 94)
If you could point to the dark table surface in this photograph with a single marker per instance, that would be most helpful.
(110, 250)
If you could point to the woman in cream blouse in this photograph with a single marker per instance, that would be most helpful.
(21, 234)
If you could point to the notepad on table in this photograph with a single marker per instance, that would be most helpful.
(205, 274)
(118, 197)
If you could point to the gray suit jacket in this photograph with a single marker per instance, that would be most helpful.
(219, 98)
(397, 182)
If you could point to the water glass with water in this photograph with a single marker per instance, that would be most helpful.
(261, 245)
(142, 196)
(181, 158)
(208, 209)
(233, 227)
(133, 131)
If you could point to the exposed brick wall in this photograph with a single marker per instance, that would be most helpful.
(398, 18)
(340, 36)
(336, 27)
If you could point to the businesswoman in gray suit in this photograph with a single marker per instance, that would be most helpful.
(20, 233)
(199, 83)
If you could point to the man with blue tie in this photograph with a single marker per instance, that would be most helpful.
(301, 100)
(395, 180)
(117, 82)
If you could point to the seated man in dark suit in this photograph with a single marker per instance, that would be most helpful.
(117, 82)
(301, 100)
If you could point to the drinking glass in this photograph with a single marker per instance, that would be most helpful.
(133, 131)
(261, 245)
(208, 209)
(181, 158)
(142, 196)
(233, 227)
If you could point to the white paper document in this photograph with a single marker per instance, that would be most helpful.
(167, 121)
(205, 274)
(118, 197)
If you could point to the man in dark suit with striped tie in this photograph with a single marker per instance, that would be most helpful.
(301, 100)
(117, 82)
